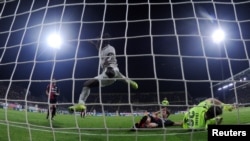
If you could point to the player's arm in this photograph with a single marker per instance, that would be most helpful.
(163, 112)
(227, 107)
(215, 101)
(157, 113)
(96, 43)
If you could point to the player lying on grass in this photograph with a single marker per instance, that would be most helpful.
(110, 71)
(155, 120)
(199, 117)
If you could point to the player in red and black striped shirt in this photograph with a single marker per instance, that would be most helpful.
(52, 91)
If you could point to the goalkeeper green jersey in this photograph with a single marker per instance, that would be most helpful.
(205, 104)
(195, 118)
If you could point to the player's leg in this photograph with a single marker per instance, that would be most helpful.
(226, 107)
(95, 82)
(53, 111)
(100, 80)
(86, 89)
(50, 109)
(83, 113)
(84, 94)
(132, 83)
(48, 112)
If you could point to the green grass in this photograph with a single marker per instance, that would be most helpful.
(23, 126)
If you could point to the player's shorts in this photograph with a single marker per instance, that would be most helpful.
(53, 101)
(105, 80)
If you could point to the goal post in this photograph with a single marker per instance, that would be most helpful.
(182, 50)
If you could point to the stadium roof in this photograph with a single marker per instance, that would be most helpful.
(241, 77)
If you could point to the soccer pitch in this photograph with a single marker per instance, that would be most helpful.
(26, 126)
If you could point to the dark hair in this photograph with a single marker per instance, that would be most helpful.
(213, 111)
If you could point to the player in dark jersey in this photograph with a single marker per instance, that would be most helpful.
(52, 91)
(110, 71)
(155, 120)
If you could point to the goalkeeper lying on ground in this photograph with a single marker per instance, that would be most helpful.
(207, 112)
(198, 117)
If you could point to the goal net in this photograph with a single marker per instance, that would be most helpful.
(182, 50)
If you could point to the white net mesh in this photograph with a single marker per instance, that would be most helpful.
(166, 46)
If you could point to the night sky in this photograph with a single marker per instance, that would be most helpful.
(164, 45)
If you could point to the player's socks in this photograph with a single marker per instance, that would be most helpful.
(53, 112)
(133, 84)
(48, 113)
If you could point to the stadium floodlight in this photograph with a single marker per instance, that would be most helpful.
(218, 35)
(54, 40)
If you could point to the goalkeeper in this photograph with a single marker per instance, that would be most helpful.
(110, 71)
(207, 112)
(198, 118)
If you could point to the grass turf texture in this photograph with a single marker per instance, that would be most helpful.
(25, 126)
